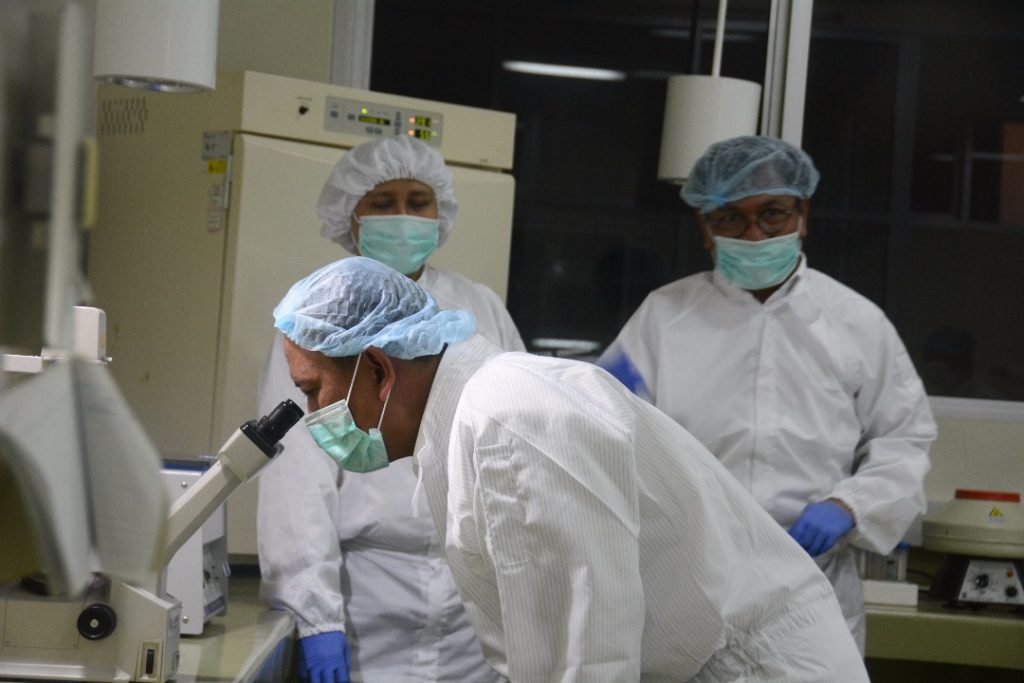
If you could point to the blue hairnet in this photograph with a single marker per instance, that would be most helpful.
(379, 161)
(746, 166)
(349, 305)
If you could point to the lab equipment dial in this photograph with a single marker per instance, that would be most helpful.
(990, 580)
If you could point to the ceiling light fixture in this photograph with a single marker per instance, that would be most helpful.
(563, 71)
(702, 110)
(163, 45)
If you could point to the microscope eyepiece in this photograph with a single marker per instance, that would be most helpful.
(268, 430)
(280, 420)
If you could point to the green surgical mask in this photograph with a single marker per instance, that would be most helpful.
(757, 265)
(336, 432)
(400, 241)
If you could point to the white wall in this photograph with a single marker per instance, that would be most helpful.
(980, 446)
(279, 37)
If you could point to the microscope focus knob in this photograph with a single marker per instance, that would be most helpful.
(97, 621)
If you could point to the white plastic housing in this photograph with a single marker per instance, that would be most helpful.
(162, 44)
(699, 111)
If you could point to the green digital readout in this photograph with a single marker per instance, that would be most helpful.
(420, 120)
(375, 120)
(422, 134)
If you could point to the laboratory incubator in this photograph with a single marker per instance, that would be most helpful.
(207, 214)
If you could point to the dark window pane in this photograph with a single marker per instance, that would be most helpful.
(849, 120)
(594, 231)
(966, 329)
(916, 122)
(914, 118)
(968, 104)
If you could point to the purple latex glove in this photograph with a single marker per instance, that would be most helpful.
(323, 658)
(820, 526)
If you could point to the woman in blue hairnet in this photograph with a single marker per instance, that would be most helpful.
(798, 384)
(344, 551)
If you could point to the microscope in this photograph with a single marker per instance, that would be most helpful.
(128, 631)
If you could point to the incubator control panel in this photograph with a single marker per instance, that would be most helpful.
(342, 115)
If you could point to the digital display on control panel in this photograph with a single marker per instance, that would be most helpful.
(371, 120)
(375, 120)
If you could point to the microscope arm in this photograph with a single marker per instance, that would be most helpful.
(242, 455)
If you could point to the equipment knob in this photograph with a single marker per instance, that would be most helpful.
(97, 621)
(981, 580)
(1011, 591)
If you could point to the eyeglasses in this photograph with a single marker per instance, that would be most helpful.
(772, 221)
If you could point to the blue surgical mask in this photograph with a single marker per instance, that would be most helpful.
(335, 431)
(400, 241)
(757, 265)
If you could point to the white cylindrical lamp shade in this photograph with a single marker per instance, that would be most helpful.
(167, 45)
(699, 111)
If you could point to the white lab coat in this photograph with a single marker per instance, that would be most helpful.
(452, 290)
(593, 539)
(386, 583)
(808, 396)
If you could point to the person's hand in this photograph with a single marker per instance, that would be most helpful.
(820, 526)
(323, 658)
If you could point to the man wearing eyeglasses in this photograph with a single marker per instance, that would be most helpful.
(798, 384)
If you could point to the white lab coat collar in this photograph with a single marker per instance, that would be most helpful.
(430, 452)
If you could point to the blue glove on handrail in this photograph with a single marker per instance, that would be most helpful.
(820, 526)
(323, 658)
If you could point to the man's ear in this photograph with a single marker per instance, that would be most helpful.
(383, 368)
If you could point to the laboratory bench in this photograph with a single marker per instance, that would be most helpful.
(250, 644)
(929, 642)
(936, 642)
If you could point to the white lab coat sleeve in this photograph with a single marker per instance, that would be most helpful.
(493, 321)
(886, 491)
(299, 551)
(632, 356)
(556, 515)
(510, 338)
(500, 324)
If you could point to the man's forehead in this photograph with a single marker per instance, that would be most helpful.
(300, 359)
(758, 200)
(293, 350)
(304, 363)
